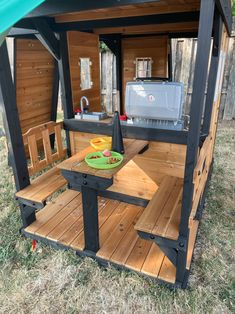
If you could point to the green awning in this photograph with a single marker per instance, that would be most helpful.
(11, 11)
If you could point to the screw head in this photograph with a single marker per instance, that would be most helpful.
(85, 182)
(181, 244)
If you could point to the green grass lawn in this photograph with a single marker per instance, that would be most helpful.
(50, 281)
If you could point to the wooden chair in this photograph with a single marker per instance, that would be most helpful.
(50, 181)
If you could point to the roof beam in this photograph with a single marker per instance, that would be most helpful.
(52, 7)
(47, 37)
(128, 21)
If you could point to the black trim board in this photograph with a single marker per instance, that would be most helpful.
(135, 132)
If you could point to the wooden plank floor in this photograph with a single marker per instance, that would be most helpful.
(62, 222)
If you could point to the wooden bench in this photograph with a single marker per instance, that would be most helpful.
(50, 181)
(162, 215)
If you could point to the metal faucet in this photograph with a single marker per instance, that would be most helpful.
(81, 104)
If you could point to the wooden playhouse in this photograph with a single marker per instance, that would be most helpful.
(143, 215)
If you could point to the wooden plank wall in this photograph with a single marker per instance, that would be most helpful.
(155, 47)
(84, 45)
(34, 82)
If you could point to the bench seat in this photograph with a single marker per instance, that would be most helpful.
(162, 215)
(41, 188)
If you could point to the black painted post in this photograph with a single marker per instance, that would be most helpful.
(12, 122)
(199, 85)
(218, 26)
(13, 132)
(54, 100)
(65, 81)
(119, 67)
(90, 218)
(170, 76)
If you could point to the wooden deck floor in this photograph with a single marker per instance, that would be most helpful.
(62, 222)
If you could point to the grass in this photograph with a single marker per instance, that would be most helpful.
(50, 281)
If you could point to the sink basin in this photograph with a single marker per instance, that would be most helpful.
(92, 116)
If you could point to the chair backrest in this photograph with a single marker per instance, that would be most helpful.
(42, 133)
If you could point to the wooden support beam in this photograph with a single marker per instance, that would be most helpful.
(218, 26)
(158, 19)
(47, 37)
(199, 85)
(12, 122)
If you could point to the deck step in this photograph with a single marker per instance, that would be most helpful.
(162, 215)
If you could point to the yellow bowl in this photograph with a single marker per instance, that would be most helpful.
(101, 143)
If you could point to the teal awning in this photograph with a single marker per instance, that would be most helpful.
(11, 11)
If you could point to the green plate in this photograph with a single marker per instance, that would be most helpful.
(103, 162)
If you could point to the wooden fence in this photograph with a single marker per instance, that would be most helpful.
(183, 60)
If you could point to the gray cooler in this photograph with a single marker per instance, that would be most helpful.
(160, 103)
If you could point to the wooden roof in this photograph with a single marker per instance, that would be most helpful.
(143, 9)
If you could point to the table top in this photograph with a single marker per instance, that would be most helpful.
(76, 162)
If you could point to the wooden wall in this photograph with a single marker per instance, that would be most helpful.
(155, 47)
(84, 45)
(34, 82)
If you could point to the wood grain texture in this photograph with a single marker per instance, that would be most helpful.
(153, 47)
(34, 82)
(62, 222)
(32, 139)
(43, 186)
(84, 45)
(76, 163)
(161, 7)
(157, 216)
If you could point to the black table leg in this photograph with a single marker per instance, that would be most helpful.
(90, 218)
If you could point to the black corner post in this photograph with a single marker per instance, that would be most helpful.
(12, 122)
(65, 81)
(218, 26)
(12, 126)
(199, 84)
